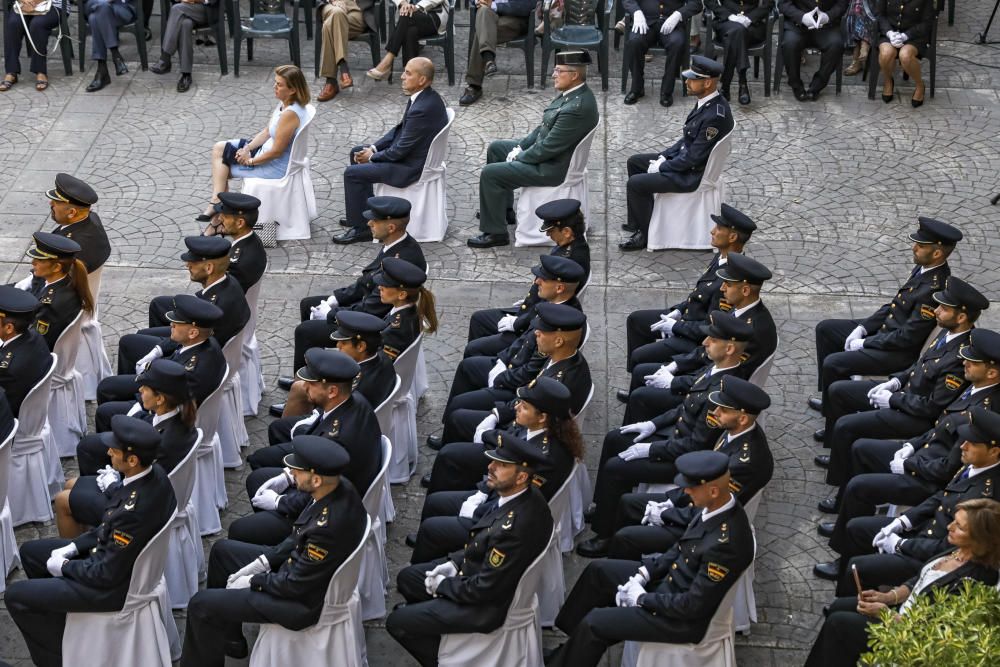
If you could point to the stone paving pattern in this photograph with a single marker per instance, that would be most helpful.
(834, 185)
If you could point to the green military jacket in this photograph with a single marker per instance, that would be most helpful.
(565, 122)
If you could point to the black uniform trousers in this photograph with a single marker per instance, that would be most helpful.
(359, 184)
(593, 623)
(133, 347)
(462, 423)
(843, 637)
(471, 374)
(280, 430)
(616, 477)
(735, 41)
(875, 569)
(637, 45)
(641, 186)
(38, 605)
(115, 396)
(458, 466)
(645, 403)
(489, 345)
(441, 530)
(484, 322)
(632, 540)
(637, 331)
(660, 352)
(310, 334)
(834, 364)
(263, 527)
(270, 457)
(91, 454)
(827, 39)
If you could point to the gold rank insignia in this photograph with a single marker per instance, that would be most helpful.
(927, 312)
(315, 553)
(324, 518)
(356, 381)
(5, 362)
(496, 557)
(42, 327)
(235, 257)
(121, 539)
(711, 133)
(391, 352)
(335, 428)
(717, 572)
(191, 363)
(48, 296)
(988, 491)
(397, 321)
(952, 382)
(735, 486)
(214, 297)
(130, 504)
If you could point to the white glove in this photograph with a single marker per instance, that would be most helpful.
(854, 345)
(881, 399)
(671, 23)
(488, 424)
(54, 565)
(307, 421)
(639, 24)
(857, 334)
(822, 18)
(890, 385)
(151, 356)
(437, 575)
(903, 37)
(106, 478)
(629, 592)
(514, 152)
(134, 410)
(653, 511)
(66, 552)
(239, 582)
(25, 283)
(661, 379)
(506, 323)
(644, 430)
(674, 314)
(904, 452)
(517, 304)
(672, 367)
(258, 565)
(471, 503)
(888, 545)
(498, 368)
(896, 526)
(665, 325)
(896, 467)
(279, 483)
(746, 20)
(809, 21)
(654, 165)
(323, 308)
(265, 499)
(639, 451)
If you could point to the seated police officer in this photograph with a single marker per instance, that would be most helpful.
(471, 589)
(811, 24)
(92, 573)
(669, 597)
(738, 25)
(70, 203)
(24, 355)
(285, 584)
(235, 216)
(656, 22)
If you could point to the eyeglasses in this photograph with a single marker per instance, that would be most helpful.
(561, 71)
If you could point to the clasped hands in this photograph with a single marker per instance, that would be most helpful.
(815, 19)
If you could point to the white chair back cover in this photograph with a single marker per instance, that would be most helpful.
(92, 361)
(338, 638)
(580, 493)
(684, 219)
(517, 643)
(185, 555)
(745, 602)
(143, 631)
(574, 186)
(251, 376)
(759, 376)
(29, 491)
(67, 411)
(428, 196)
(552, 586)
(374, 575)
(290, 202)
(404, 418)
(210, 485)
(383, 413)
(9, 556)
(232, 431)
(420, 383)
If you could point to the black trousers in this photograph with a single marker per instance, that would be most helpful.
(91, 454)
(843, 638)
(270, 457)
(458, 466)
(133, 347)
(484, 322)
(661, 351)
(462, 423)
(644, 402)
(735, 41)
(309, 334)
(472, 373)
(158, 309)
(441, 530)
(409, 31)
(105, 411)
(632, 540)
(637, 45)
(359, 184)
(641, 186)
(827, 39)
(637, 331)
(875, 569)
(489, 345)
(280, 430)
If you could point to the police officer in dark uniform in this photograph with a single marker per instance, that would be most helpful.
(471, 589)
(891, 338)
(648, 331)
(92, 572)
(69, 202)
(738, 24)
(59, 284)
(680, 167)
(907, 542)
(670, 597)
(656, 22)
(405, 319)
(811, 24)
(24, 355)
(237, 214)
(908, 403)
(285, 584)
(563, 221)
(6, 416)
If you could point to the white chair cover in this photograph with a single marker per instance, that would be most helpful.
(580, 494)
(9, 557)
(143, 632)
(92, 361)
(338, 638)
(745, 602)
(289, 202)
(67, 412)
(185, 555)
(251, 376)
(420, 384)
(528, 232)
(374, 575)
(428, 197)
(232, 431)
(383, 413)
(29, 492)
(404, 418)
(552, 587)
(517, 643)
(684, 219)
(210, 485)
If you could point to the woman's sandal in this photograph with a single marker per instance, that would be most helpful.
(41, 84)
(7, 84)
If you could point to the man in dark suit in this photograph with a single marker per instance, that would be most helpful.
(669, 597)
(285, 584)
(237, 213)
(811, 24)
(680, 167)
(656, 22)
(178, 35)
(891, 338)
(92, 573)
(542, 157)
(398, 157)
(471, 589)
(24, 354)
(738, 24)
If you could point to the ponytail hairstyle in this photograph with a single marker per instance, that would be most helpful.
(188, 410)
(566, 432)
(77, 272)
(425, 301)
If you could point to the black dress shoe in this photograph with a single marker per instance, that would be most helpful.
(828, 505)
(588, 514)
(826, 610)
(819, 435)
(667, 99)
(800, 94)
(829, 571)
(98, 83)
(622, 395)
(510, 216)
(825, 528)
(725, 92)
(816, 404)
(629, 228)
(276, 409)
(470, 96)
(353, 235)
(595, 547)
(285, 382)
(744, 93)
(485, 240)
(822, 460)
(425, 481)
(161, 66)
(184, 83)
(635, 242)
(120, 67)
(632, 97)
(237, 649)
(812, 95)
(343, 222)
(411, 540)
(435, 442)
(490, 69)
(549, 654)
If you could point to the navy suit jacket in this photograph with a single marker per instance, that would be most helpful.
(406, 145)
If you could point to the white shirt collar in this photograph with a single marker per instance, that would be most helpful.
(413, 97)
(210, 286)
(185, 348)
(925, 269)
(715, 369)
(396, 309)
(129, 480)
(5, 343)
(975, 471)
(165, 416)
(739, 311)
(576, 87)
(730, 437)
(243, 238)
(532, 432)
(974, 391)
(705, 100)
(385, 248)
(948, 337)
(706, 515)
(506, 499)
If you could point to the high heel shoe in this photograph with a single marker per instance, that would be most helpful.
(914, 102)
(375, 73)
(888, 98)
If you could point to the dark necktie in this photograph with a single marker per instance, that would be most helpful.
(940, 342)
(966, 393)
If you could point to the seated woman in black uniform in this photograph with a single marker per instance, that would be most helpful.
(59, 283)
(904, 32)
(975, 534)
(167, 403)
(401, 285)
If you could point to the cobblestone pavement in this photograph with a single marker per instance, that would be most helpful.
(834, 186)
